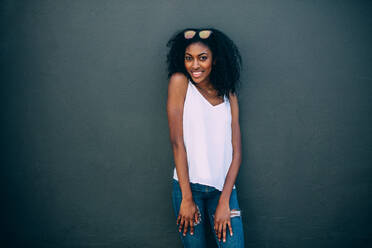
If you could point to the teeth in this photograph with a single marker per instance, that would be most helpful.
(196, 73)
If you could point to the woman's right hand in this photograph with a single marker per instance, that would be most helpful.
(187, 215)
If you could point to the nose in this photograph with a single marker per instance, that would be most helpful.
(195, 64)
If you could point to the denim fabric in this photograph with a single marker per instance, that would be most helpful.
(206, 198)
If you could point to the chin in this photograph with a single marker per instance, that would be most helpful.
(197, 80)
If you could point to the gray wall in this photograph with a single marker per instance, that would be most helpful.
(86, 156)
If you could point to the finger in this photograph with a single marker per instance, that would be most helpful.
(178, 219)
(196, 217)
(181, 224)
(186, 225)
(219, 231)
(230, 228)
(224, 232)
(216, 227)
(192, 227)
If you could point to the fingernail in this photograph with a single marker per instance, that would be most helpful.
(224, 240)
(231, 234)
(192, 233)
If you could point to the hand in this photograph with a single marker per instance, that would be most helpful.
(187, 215)
(221, 220)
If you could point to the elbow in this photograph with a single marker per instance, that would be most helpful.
(237, 156)
(178, 143)
(239, 159)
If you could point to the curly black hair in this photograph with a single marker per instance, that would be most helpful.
(225, 72)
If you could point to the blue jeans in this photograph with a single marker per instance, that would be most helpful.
(206, 198)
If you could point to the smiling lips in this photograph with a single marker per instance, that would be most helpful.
(196, 73)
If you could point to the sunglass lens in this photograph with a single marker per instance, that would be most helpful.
(189, 34)
(205, 34)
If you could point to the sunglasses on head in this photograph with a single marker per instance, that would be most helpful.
(203, 34)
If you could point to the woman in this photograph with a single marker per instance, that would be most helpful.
(203, 116)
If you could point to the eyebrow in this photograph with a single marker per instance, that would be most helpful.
(198, 54)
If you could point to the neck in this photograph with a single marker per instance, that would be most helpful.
(205, 85)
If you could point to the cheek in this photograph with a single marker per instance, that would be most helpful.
(209, 66)
(187, 65)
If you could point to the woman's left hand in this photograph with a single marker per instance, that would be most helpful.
(221, 220)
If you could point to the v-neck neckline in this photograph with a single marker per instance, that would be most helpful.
(210, 104)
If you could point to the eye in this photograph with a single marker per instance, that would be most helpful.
(203, 58)
(188, 58)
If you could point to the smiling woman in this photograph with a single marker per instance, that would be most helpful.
(198, 63)
(203, 117)
(198, 60)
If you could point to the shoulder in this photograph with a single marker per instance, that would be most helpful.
(177, 84)
(177, 89)
(233, 98)
(178, 79)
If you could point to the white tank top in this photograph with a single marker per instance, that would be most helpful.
(207, 139)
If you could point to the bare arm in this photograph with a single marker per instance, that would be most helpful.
(237, 157)
(176, 96)
(177, 89)
(222, 214)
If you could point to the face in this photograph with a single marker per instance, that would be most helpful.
(198, 62)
